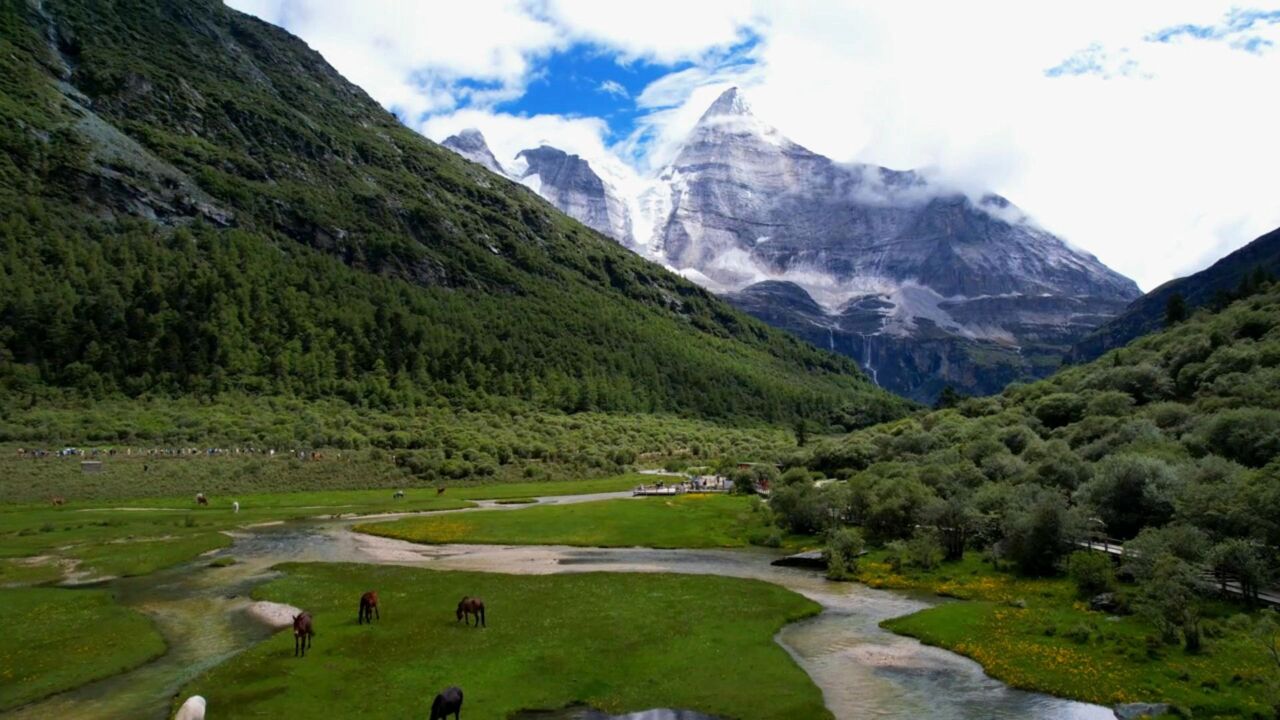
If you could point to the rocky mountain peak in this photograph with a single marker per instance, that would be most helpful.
(731, 103)
(470, 144)
(569, 182)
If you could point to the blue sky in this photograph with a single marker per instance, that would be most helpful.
(1142, 131)
(588, 81)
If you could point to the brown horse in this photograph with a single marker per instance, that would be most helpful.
(368, 608)
(202, 500)
(440, 491)
(447, 703)
(303, 631)
(58, 500)
(469, 606)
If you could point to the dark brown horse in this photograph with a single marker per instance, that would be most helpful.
(303, 631)
(440, 491)
(201, 499)
(447, 703)
(469, 606)
(368, 608)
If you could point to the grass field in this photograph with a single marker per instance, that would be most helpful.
(56, 639)
(683, 521)
(619, 642)
(1056, 645)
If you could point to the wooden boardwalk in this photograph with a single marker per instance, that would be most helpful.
(1270, 596)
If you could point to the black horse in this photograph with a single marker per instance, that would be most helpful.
(469, 606)
(447, 703)
(303, 631)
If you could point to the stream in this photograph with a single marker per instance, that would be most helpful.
(862, 670)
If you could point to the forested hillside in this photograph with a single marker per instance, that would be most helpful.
(1179, 429)
(1236, 275)
(193, 202)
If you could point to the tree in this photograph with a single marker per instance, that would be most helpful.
(1240, 560)
(1170, 599)
(799, 508)
(1184, 542)
(888, 507)
(1130, 492)
(802, 432)
(1175, 310)
(1036, 537)
(952, 519)
(948, 398)
(844, 545)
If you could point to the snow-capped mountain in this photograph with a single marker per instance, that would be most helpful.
(925, 285)
(571, 184)
(470, 144)
(565, 180)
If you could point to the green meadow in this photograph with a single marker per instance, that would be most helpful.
(618, 642)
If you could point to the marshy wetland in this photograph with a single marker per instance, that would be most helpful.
(620, 629)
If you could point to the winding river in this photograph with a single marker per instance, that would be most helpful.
(862, 670)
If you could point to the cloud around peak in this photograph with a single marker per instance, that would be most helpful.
(1110, 123)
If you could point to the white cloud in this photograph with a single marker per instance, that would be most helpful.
(663, 31)
(411, 56)
(1156, 156)
(613, 87)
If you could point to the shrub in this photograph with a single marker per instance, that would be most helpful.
(924, 552)
(1092, 572)
(1250, 436)
(1079, 633)
(1059, 409)
(1110, 403)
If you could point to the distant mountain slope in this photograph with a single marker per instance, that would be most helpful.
(194, 200)
(1147, 313)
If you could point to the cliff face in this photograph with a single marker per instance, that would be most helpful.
(570, 184)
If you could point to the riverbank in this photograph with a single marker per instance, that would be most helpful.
(1036, 634)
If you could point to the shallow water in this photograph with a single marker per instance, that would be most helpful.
(863, 671)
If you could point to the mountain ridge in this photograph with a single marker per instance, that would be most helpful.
(1214, 284)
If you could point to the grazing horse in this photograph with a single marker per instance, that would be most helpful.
(469, 606)
(202, 500)
(368, 608)
(302, 634)
(398, 495)
(447, 703)
(58, 500)
(235, 506)
(440, 491)
(192, 709)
